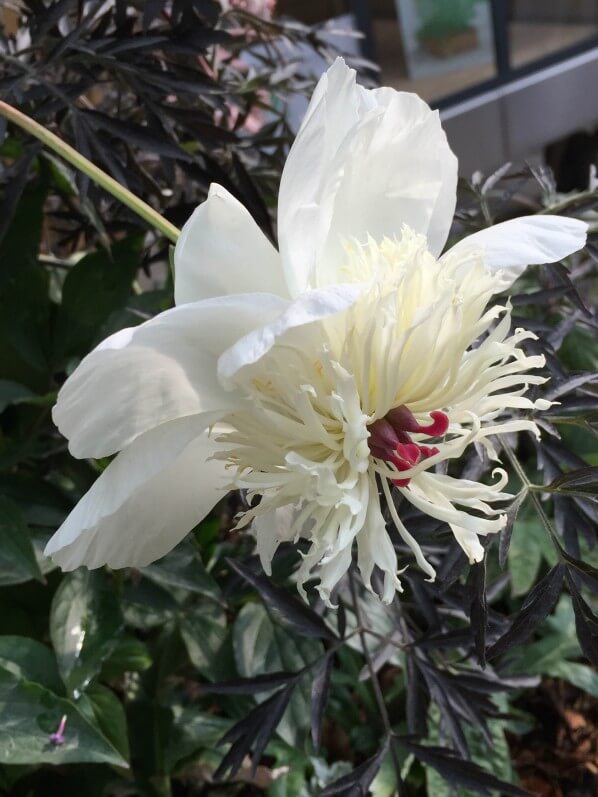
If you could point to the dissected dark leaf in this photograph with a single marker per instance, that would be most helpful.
(15, 187)
(358, 781)
(585, 571)
(536, 607)
(583, 481)
(562, 276)
(291, 610)
(416, 697)
(251, 734)
(459, 772)
(140, 136)
(586, 624)
(570, 384)
(319, 696)
(250, 686)
(507, 532)
(151, 10)
(478, 608)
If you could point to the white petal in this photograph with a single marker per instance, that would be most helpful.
(272, 528)
(527, 241)
(311, 306)
(145, 502)
(374, 548)
(333, 111)
(363, 163)
(156, 372)
(221, 250)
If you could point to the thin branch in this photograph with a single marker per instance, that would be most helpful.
(96, 174)
(377, 690)
(533, 494)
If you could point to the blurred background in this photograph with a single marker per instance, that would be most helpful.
(512, 77)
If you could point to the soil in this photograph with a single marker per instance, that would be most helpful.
(559, 757)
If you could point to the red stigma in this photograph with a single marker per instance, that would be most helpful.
(390, 438)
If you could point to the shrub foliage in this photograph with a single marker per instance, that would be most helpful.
(199, 670)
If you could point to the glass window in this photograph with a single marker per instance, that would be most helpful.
(538, 28)
(433, 47)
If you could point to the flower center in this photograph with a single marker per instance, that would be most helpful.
(390, 438)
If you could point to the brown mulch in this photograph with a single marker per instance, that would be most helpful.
(559, 757)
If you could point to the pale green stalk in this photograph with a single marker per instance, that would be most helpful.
(96, 174)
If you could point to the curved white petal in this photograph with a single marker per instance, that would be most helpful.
(309, 307)
(526, 241)
(156, 372)
(374, 548)
(363, 163)
(271, 529)
(221, 251)
(145, 502)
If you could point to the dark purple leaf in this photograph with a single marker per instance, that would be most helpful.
(507, 531)
(319, 696)
(536, 607)
(459, 772)
(583, 480)
(290, 609)
(358, 781)
(250, 686)
(252, 733)
(478, 608)
(586, 624)
(572, 383)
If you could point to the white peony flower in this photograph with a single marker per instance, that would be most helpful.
(320, 377)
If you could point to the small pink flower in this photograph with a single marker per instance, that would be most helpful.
(57, 738)
(259, 8)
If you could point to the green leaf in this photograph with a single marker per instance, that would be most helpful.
(97, 286)
(20, 245)
(13, 393)
(495, 759)
(192, 731)
(183, 568)
(147, 605)
(25, 330)
(529, 545)
(203, 629)
(17, 556)
(129, 655)
(29, 713)
(30, 661)
(291, 770)
(110, 716)
(85, 623)
(41, 503)
(552, 654)
(580, 675)
(261, 647)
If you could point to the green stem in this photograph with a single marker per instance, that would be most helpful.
(533, 494)
(96, 174)
(376, 686)
(570, 201)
